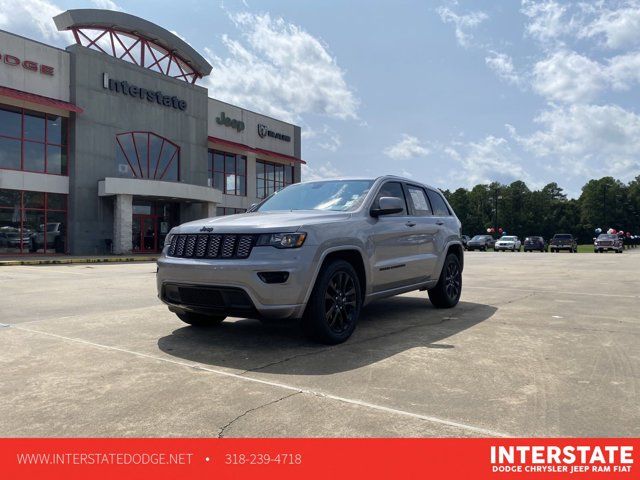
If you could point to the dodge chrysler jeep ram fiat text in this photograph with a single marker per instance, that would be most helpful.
(318, 251)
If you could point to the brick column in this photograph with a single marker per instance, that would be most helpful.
(122, 221)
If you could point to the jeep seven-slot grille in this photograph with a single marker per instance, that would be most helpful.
(211, 245)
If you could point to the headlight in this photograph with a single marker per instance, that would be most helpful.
(281, 240)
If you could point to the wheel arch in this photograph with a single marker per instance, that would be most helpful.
(352, 254)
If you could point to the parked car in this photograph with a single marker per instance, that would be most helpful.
(508, 242)
(481, 242)
(55, 238)
(606, 242)
(14, 239)
(563, 241)
(318, 251)
(535, 243)
(465, 239)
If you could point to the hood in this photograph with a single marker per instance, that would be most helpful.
(281, 221)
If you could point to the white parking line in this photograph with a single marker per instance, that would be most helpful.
(428, 418)
(590, 294)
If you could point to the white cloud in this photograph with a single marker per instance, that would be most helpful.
(490, 159)
(325, 138)
(280, 69)
(463, 23)
(547, 19)
(33, 19)
(619, 28)
(320, 172)
(568, 77)
(408, 147)
(587, 140)
(107, 5)
(502, 65)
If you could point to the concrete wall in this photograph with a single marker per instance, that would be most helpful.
(249, 136)
(108, 113)
(19, 78)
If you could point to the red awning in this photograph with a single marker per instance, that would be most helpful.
(39, 99)
(259, 151)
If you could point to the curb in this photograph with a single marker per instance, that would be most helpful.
(67, 261)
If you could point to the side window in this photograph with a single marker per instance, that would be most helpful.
(391, 189)
(418, 200)
(439, 207)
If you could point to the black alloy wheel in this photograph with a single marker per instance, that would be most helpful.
(340, 302)
(333, 309)
(447, 291)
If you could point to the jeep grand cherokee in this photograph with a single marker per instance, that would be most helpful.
(318, 251)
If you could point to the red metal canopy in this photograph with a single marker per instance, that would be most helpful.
(256, 150)
(39, 99)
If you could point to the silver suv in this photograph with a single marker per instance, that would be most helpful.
(317, 251)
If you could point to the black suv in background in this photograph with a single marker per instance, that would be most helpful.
(535, 243)
(481, 242)
(563, 241)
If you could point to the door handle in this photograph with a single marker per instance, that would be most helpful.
(410, 224)
(439, 222)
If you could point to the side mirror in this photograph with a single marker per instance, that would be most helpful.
(388, 206)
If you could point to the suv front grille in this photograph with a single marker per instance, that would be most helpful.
(211, 245)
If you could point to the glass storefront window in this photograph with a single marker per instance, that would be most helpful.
(227, 172)
(271, 177)
(33, 156)
(34, 126)
(11, 122)
(220, 211)
(147, 155)
(32, 141)
(10, 153)
(32, 222)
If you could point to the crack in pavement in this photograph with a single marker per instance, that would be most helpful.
(273, 402)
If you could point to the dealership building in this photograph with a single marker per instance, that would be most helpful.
(108, 144)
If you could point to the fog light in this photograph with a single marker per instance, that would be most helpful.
(273, 277)
(172, 293)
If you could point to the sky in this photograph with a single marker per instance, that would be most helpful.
(450, 93)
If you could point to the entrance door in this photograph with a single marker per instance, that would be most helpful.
(144, 233)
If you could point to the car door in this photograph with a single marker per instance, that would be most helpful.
(444, 220)
(425, 229)
(393, 239)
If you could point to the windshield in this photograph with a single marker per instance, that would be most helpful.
(477, 238)
(338, 196)
(509, 239)
(606, 236)
(562, 236)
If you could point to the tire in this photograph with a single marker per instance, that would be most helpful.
(200, 320)
(484, 249)
(333, 309)
(446, 293)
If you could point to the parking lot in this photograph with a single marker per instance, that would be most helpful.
(540, 345)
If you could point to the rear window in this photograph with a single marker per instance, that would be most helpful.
(437, 203)
(563, 236)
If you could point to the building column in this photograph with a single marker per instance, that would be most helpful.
(210, 209)
(122, 224)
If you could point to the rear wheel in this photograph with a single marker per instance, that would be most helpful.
(334, 306)
(447, 291)
(200, 320)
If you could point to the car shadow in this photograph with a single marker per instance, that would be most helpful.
(386, 328)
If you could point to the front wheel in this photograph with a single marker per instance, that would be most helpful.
(334, 306)
(200, 320)
(447, 291)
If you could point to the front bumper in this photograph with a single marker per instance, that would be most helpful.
(505, 247)
(269, 300)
